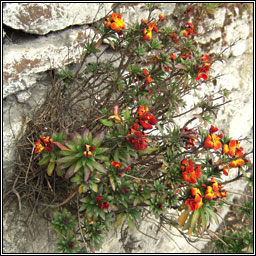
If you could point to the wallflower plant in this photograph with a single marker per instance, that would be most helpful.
(129, 157)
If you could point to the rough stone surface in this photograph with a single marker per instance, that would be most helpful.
(22, 62)
(41, 18)
(25, 83)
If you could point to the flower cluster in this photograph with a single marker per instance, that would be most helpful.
(195, 200)
(88, 150)
(205, 67)
(118, 166)
(44, 143)
(188, 29)
(145, 120)
(212, 140)
(213, 190)
(147, 32)
(235, 151)
(188, 172)
(115, 22)
(102, 205)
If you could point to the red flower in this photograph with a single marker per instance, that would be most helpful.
(117, 164)
(127, 169)
(173, 57)
(44, 143)
(202, 75)
(150, 118)
(213, 129)
(98, 198)
(145, 126)
(102, 206)
(106, 205)
(161, 17)
(135, 126)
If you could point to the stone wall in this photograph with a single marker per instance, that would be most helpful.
(46, 36)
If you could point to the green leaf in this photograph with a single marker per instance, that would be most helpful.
(94, 187)
(76, 179)
(50, 168)
(120, 219)
(113, 185)
(66, 153)
(107, 122)
(212, 213)
(194, 218)
(66, 159)
(98, 138)
(124, 203)
(83, 207)
(101, 157)
(86, 173)
(126, 114)
(78, 166)
(204, 221)
(45, 160)
(116, 155)
(130, 223)
(100, 167)
(147, 151)
(70, 171)
(85, 200)
(136, 201)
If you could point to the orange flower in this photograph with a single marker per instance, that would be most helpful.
(209, 193)
(161, 17)
(188, 172)
(214, 190)
(212, 141)
(148, 80)
(44, 143)
(173, 57)
(195, 200)
(147, 32)
(237, 163)
(115, 22)
(233, 149)
(117, 164)
(142, 110)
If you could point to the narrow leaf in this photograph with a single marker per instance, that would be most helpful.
(94, 187)
(119, 221)
(62, 147)
(100, 167)
(98, 138)
(70, 171)
(44, 160)
(107, 122)
(113, 185)
(86, 173)
(183, 217)
(50, 168)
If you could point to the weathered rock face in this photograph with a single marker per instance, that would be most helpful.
(26, 81)
(42, 18)
(23, 62)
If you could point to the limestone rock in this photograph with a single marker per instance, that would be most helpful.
(22, 62)
(41, 18)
